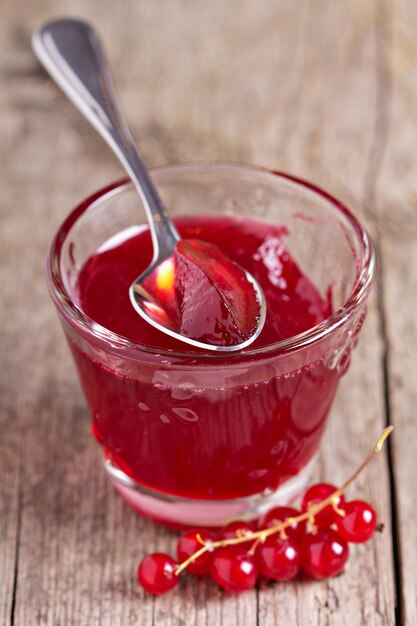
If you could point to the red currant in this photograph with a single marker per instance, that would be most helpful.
(359, 523)
(317, 493)
(236, 529)
(234, 569)
(278, 559)
(296, 531)
(156, 573)
(188, 545)
(324, 553)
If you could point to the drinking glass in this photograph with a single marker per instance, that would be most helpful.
(200, 439)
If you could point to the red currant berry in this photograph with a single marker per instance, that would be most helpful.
(236, 529)
(156, 573)
(234, 569)
(359, 523)
(278, 559)
(189, 544)
(296, 531)
(324, 553)
(316, 494)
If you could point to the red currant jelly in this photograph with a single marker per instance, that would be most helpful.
(214, 299)
(216, 428)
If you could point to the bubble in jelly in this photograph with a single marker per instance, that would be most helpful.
(143, 407)
(185, 414)
(183, 392)
(259, 473)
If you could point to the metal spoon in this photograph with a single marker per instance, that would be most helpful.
(71, 52)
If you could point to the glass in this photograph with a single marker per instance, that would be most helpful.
(201, 438)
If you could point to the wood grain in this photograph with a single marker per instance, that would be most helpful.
(396, 196)
(325, 90)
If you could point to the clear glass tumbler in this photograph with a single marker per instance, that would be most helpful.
(194, 438)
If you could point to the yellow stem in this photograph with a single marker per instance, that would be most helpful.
(261, 535)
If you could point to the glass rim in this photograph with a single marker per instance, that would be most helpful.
(75, 316)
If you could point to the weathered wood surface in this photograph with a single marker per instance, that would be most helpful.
(327, 90)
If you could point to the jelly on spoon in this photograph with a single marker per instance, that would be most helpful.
(204, 294)
(231, 309)
(215, 304)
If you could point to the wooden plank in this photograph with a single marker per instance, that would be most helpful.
(396, 198)
(10, 505)
(293, 88)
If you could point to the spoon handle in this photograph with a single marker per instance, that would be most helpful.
(71, 52)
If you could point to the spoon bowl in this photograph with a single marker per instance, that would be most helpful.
(71, 52)
(159, 316)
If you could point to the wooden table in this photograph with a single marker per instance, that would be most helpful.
(326, 90)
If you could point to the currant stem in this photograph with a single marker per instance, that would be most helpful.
(260, 536)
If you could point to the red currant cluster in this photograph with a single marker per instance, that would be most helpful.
(286, 542)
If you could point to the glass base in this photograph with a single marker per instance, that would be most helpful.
(181, 512)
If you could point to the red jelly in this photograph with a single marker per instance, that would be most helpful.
(200, 427)
(216, 304)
